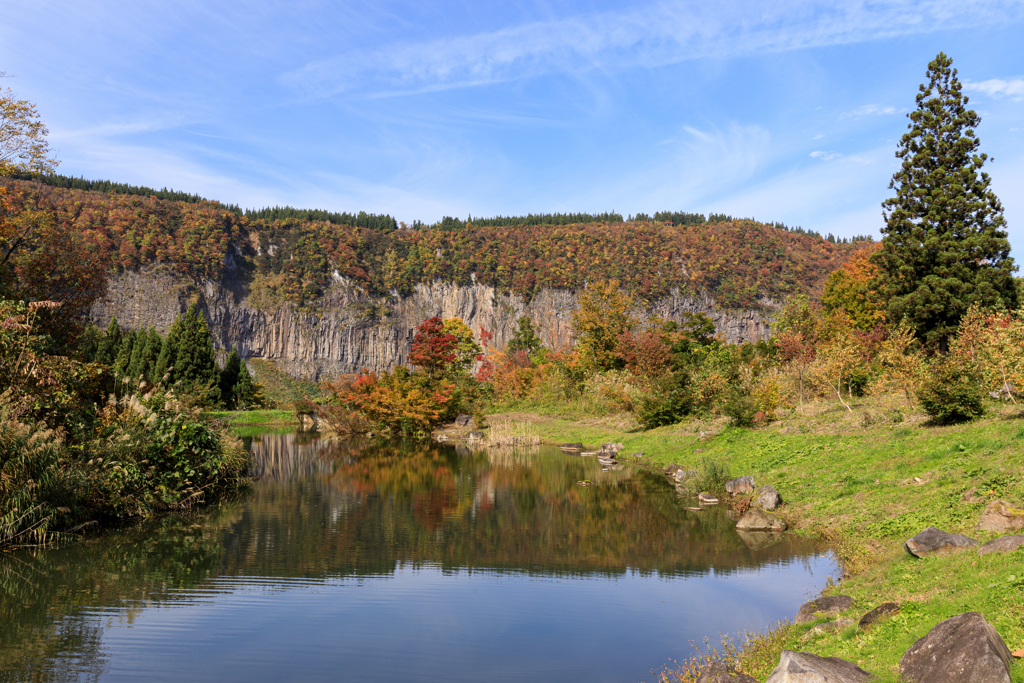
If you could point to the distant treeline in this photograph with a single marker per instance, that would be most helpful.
(110, 187)
(370, 221)
(536, 219)
(360, 220)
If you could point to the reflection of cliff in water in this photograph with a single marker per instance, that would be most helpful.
(368, 507)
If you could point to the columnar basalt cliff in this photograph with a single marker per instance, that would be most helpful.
(348, 330)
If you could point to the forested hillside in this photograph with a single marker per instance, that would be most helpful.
(292, 255)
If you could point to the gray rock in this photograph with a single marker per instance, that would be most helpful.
(767, 498)
(740, 485)
(572, 446)
(828, 627)
(962, 648)
(612, 447)
(476, 435)
(720, 672)
(935, 541)
(831, 604)
(638, 455)
(463, 420)
(803, 667)
(1001, 517)
(886, 609)
(1003, 544)
(682, 475)
(705, 498)
(759, 520)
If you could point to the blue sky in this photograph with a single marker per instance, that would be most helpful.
(784, 111)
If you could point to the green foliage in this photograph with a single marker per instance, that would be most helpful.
(952, 392)
(945, 246)
(229, 377)
(670, 400)
(248, 393)
(525, 337)
(739, 405)
(195, 367)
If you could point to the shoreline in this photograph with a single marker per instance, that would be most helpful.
(864, 484)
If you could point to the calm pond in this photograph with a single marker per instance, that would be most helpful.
(382, 561)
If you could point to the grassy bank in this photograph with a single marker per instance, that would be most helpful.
(867, 481)
(237, 418)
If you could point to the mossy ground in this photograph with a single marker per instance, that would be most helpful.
(866, 480)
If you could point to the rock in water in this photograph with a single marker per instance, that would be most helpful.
(1003, 544)
(719, 672)
(934, 541)
(705, 498)
(572, 446)
(767, 498)
(960, 649)
(827, 605)
(759, 520)
(1001, 517)
(884, 610)
(803, 667)
(740, 485)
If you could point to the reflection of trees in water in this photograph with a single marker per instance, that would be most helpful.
(373, 506)
(56, 602)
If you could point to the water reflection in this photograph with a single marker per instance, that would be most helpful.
(351, 554)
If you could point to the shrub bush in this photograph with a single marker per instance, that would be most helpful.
(952, 392)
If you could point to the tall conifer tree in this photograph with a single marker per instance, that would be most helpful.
(168, 354)
(195, 365)
(945, 245)
(229, 378)
(106, 350)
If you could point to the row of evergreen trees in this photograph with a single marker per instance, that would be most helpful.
(184, 358)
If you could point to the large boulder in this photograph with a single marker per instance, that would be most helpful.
(831, 604)
(767, 498)
(1001, 517)
(1003, 544)
(934, 541)
(464, 420)
(759, 520)
(740, 485)
(719, 672)
(962, 648)
(803, 667)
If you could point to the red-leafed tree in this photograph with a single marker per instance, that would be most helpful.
(433, 349)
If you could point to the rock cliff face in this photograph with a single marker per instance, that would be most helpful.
(350, 330)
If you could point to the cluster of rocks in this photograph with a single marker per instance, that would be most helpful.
(607, 455)
(999, 517)
(959, 649)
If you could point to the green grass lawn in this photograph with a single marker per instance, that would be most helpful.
(867, 481)
(254, 417)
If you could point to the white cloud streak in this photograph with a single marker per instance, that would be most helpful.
(868, 110)
(996, 87)
(658, 34)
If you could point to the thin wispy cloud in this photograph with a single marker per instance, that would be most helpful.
(824, 156)
(868, 110)
(996, 87)
(654, 35)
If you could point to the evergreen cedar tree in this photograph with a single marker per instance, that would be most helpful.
(945, 246)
